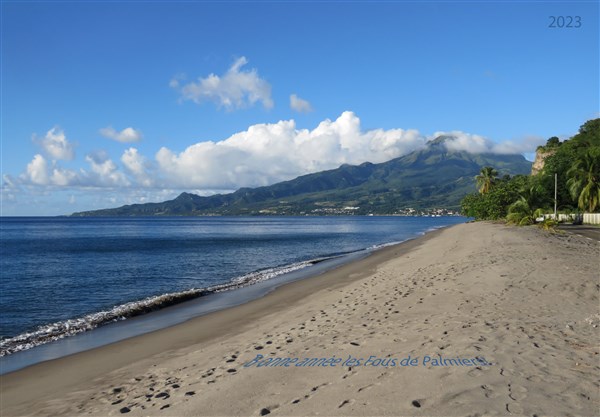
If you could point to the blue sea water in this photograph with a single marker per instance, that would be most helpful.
(65, 275)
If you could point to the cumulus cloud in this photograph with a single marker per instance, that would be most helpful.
(126, 135)
(63, 177)
(137, 165)
(267, 153)
(299, 105)
(37, 170)
(235, 89)
(40, 172)
(262, 154)
(461, 141)
(104, 172)
(55, 145)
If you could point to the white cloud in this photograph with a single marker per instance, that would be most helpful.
(133, 161)
(526, 144)
(64, 177)
(56, 145)
(137, 165)
(37, 170)
(263, 154)
(267, 153)
(471, 143)
(299, 105)
(8, 182)
(128, 134)
(104, 171)
(233, 90)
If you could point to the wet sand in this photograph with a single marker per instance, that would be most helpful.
(520, 299)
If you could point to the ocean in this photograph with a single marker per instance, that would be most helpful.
(63, 276)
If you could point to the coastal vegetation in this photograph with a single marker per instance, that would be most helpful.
(575, 166)
(486, 179)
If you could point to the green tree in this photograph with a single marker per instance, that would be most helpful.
(494, 204)
(553, 142)
(584, 180)
(589, 133)
(486, 179)
(564, 158)
(528, 207)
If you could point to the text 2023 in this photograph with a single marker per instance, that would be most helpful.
(560, 22)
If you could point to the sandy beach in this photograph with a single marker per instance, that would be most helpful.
(476, 319)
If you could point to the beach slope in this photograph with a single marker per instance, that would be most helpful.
(479, 318)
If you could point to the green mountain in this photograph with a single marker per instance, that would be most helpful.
(424, 179)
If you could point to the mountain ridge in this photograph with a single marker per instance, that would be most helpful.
(429, 177)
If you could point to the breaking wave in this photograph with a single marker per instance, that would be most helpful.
(61, 329)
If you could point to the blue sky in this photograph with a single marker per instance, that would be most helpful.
(111, 103)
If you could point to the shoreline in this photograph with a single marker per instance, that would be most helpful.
(57, 373)
(167, 316)
(209, 300)
(153, 307)
(286, 291)
(27, 334)
(469, 290)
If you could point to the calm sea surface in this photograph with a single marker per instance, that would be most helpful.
(59, 269)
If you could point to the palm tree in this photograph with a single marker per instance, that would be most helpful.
(527, 208)
(584, 181)
(486, 179)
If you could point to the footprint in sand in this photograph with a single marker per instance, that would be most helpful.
(418, 403)
(517, 393)
(514, 408)
(488, 392)
(351, 371)
(367, 387)
(475, 372)
(345, 402)
(267, 410)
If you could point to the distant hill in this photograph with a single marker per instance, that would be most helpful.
(427, 178)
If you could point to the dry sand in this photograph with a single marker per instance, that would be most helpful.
(523, 299)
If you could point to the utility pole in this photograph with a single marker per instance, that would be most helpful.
(555, 195)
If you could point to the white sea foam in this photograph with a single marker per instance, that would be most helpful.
(61, 329)
(385, 245)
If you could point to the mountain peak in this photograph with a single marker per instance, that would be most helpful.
(440, 140)
(186, 197)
